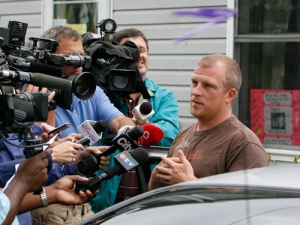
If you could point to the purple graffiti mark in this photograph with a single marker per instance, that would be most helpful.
(217, 15)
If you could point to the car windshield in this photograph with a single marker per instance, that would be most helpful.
(186, 196)
(206, 195)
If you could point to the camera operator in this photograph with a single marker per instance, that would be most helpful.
(11, 155)
(166, 117)
(98, 107)
(31, 175)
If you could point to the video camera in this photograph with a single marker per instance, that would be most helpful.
(19, 111)
(41, 59)
(43, 48)
(107, 29)
(114, 65)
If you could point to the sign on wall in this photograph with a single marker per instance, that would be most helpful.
(275, 116)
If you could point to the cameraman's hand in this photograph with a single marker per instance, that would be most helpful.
(32, 172)
(65, 152)
(51, 114)
(32, 88)
(63, 191)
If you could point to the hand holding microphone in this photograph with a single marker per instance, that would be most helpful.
(125, 161)
(142, 113)
(125, 140)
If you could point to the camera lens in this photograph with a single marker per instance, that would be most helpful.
(120, 82)
(108, 37)
(84, 85)
(109, 26)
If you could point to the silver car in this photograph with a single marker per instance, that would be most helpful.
(269, 195)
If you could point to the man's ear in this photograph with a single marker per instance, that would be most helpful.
(231, 94)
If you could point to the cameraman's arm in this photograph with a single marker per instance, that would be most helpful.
(51, 117)
(120, 121)
(51, 114)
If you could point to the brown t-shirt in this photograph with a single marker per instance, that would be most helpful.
(230, 146)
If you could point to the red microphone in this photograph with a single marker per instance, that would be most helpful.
(152, 135)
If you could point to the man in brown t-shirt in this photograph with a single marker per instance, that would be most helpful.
(218, 142)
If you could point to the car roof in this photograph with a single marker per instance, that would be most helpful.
(285, 176)
(274, 198)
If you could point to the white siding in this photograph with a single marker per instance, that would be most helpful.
(171, 64)
(25, 11)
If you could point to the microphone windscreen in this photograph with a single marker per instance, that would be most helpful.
(145, 108)
(45, 69)
(43, 80)
(141, 155)
(152, 135)
(135, 132)
(100, 126)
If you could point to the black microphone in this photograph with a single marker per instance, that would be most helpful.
(35, 67)
(82, 85)
(125, 161)
(37, 79)
(45, 69)
(100, 126)
(125, 140)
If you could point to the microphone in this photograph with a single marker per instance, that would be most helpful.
(125, 161)
(35, 67)
(126, 140)
(152, 135)
(142, 112)
(37, 79)
(45, 69)
(82, 85)
(93, 130)
(83, 141)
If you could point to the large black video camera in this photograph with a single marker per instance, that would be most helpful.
(19, 111)
(114, 65)
(39, 58)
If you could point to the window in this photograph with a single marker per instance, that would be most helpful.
(267, 47)
(80, 15)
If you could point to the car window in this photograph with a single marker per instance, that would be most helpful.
(186, 197)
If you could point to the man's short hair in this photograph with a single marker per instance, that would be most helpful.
(130, 32)
(233, 77)
(59, 32)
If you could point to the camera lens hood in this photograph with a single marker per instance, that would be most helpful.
(83, 85)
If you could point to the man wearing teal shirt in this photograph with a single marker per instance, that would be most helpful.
(165, 106)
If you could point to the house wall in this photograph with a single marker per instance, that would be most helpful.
(171, 64)
(25, 11)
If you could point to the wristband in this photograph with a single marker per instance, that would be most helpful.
(44, 198)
